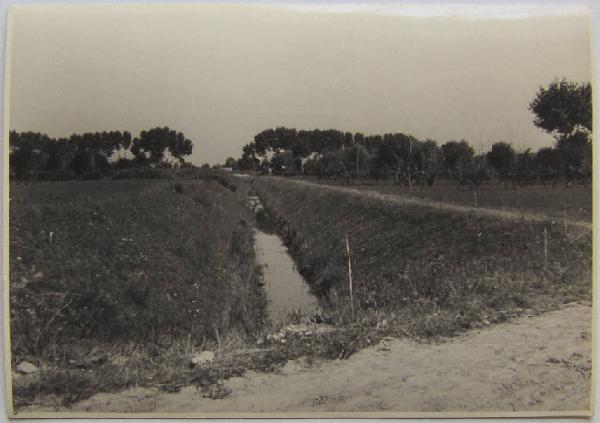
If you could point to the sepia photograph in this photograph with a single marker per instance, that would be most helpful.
(298, 210)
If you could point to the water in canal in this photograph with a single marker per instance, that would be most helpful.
(285, 287)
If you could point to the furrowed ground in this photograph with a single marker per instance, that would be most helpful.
(116, 283)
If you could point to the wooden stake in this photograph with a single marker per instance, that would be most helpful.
(545, 248)
(565, 221)
(350, 276)
(218, 338)
(475, 197)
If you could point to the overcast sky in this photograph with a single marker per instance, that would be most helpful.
(223, 73)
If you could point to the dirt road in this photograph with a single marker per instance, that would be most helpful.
(536, 363)
(457, 208)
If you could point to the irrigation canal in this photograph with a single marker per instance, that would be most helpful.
(286, 288)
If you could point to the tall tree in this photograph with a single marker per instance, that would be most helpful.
(357, 160)
(179, 146)
(153, 144)
(563, 108)
(501, 158)
(249, 161)
(457, 155)
(230, 162)
(300, 151)
(28, 153)
(547, 159)
(575, 150)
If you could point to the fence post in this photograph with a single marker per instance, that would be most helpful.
(218, 337)
(545, 248)
(350, 276)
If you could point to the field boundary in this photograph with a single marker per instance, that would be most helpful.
(442, 205)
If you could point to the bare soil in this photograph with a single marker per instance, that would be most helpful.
(532, 363)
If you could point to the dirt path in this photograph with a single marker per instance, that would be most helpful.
(484, 211)
(529, 364)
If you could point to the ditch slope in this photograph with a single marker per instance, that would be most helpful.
(427, 269)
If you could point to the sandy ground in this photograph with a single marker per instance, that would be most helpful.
(536, 363)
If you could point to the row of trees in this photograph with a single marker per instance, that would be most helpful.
(34, 155)
(563, 109)
(400, 156)
(332, 152)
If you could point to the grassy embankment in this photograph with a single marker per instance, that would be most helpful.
(423, 271)
(118, 283)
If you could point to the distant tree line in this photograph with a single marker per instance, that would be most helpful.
(36, 156)
(563, 109)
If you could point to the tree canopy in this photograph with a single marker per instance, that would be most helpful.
(563, 108)
(501, 157)
(457, 155)
(92, 154)
(152, 145)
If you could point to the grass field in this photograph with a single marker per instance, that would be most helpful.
(426, 271)
(117, 283)
(573, 203)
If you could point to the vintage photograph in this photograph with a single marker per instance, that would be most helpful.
(288, 210)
